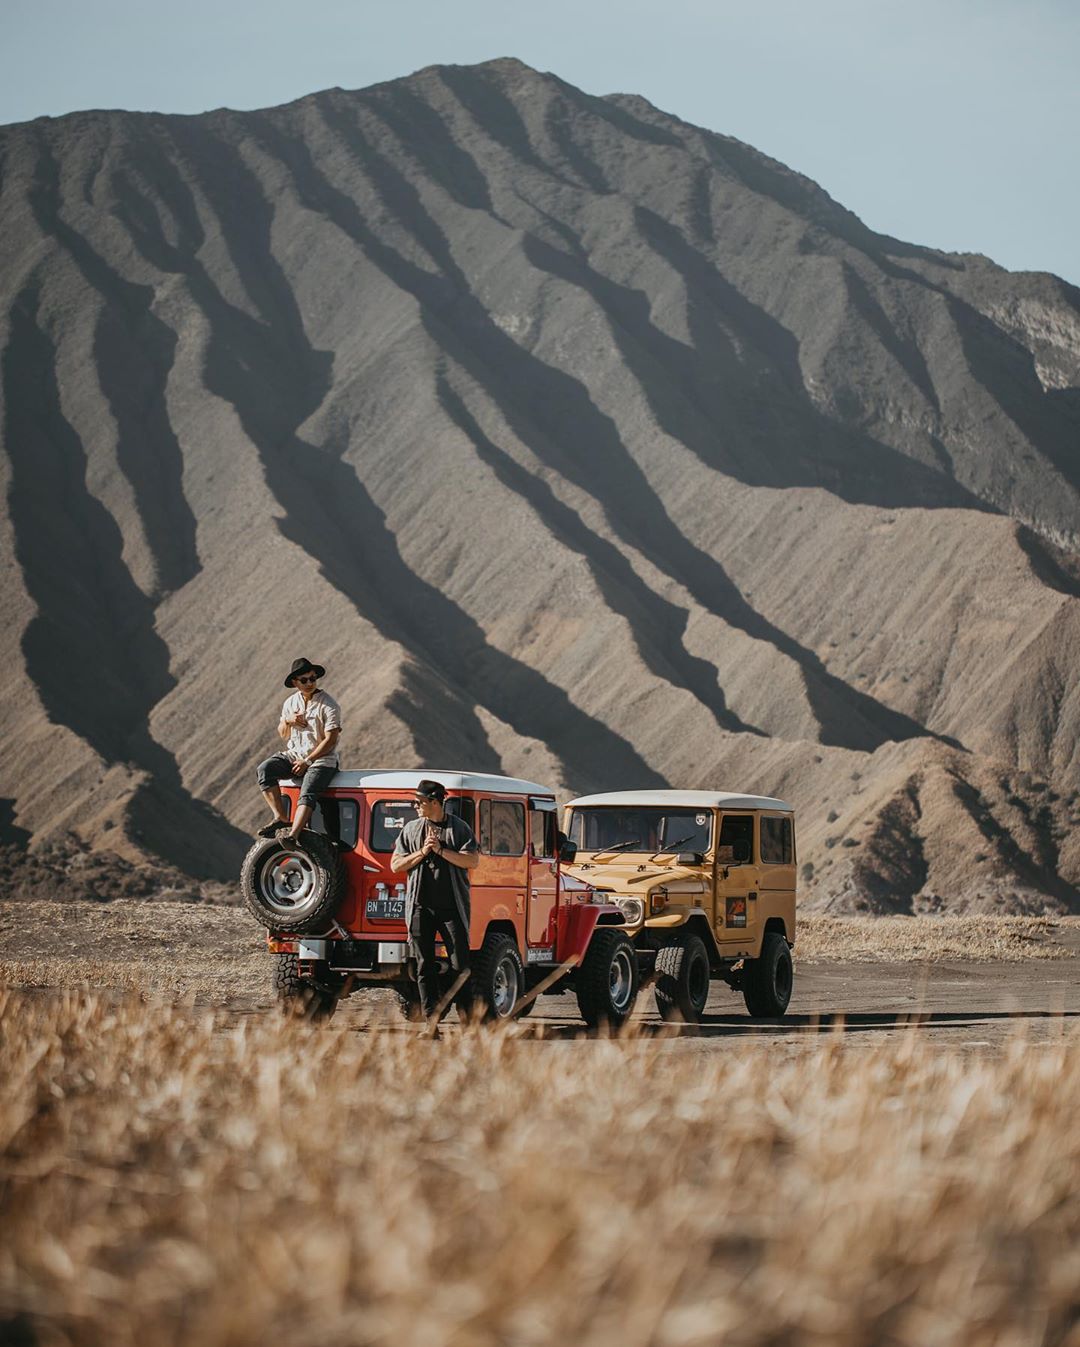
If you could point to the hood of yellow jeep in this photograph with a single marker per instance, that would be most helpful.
(634, 878)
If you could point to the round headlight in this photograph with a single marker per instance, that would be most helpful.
(633, 909)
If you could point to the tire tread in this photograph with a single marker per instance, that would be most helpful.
(483, 963)
(326, 859)
(671, 990)
(592, 980)
(759, 989)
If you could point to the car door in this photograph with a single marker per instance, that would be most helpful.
(501, 879)
(736, 881)
(543, 875)
(776, 849)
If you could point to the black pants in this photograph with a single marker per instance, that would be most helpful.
(425, 923)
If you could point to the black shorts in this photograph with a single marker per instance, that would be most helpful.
(312, 784)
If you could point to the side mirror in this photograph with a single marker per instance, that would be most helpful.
(689, 858)
(567, 851)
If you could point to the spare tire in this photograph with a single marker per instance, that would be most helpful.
(293, 886)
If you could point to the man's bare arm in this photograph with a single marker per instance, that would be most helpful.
(400, 863)
(325, 744)
(287, 724)
(464, 860)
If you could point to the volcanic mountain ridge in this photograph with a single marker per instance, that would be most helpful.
(578, 442)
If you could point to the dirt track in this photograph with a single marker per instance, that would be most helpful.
(864, 979)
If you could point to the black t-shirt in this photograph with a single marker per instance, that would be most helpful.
(436, 887)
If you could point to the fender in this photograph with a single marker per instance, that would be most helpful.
(698, 921)
(577, 922)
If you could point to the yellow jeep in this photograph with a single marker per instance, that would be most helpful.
(706, 883)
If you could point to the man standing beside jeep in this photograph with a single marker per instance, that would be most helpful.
(437, 850)
(311, 725)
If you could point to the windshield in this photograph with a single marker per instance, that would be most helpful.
(641, 829)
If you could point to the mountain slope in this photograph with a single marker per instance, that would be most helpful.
(573, 439)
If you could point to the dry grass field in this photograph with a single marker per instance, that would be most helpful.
(171, 1177)
(179, 1166)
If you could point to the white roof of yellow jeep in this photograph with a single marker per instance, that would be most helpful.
(683, 799)
(391, 780)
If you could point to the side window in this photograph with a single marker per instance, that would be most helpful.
(502, 827)
(776, 841)
(464, 806)
(737, 834)
(337, 819)
(388, 817)
(542, 833)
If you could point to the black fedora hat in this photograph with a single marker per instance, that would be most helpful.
(302, 666)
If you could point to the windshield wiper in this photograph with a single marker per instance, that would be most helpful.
(671, 846)
(619, 846)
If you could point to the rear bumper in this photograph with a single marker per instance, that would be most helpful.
(369, 959)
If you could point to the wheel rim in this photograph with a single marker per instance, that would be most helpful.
(698, 982)
(504, 987)
(289, 884)
(621, 980)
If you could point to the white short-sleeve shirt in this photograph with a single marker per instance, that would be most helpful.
(322, 714)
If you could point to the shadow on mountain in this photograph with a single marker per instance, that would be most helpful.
(268, 371)
(133, 355)
(91, 651)
(553, 413)
(418, 125)
(657, 627)
(1057, 570)
(1041, 871)
(11, 835)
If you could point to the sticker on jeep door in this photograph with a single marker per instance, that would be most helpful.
(736, 912)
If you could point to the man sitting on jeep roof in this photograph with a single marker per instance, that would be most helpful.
(311, 725)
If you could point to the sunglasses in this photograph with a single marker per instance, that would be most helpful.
(425, 799)
(308, 678)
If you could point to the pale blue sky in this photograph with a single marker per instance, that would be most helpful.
(952, 123)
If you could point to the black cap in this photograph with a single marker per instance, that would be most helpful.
(302, 666)
(431, 790)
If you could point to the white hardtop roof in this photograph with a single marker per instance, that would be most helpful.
(391, 780)
(687, 799)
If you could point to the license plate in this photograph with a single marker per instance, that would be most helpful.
(385, 909)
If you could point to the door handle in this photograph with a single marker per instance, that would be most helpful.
(536, 893)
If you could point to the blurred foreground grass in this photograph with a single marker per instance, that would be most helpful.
(173, 1178)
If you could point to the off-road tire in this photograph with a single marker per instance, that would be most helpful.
(768, 979)
(682, 980)
(486, 995)
(308, 998)
(293, 888)
(607, 983)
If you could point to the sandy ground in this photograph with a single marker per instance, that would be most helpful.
(972, 983)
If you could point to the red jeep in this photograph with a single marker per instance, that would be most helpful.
(334, 910)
